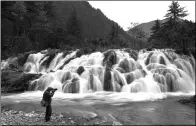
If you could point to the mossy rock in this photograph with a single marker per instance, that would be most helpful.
(110, 58)
(14, 81)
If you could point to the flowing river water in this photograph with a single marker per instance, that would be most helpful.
(125, 87)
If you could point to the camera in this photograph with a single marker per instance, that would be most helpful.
(54, 89)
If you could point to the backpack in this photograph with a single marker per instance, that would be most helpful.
(43, 103)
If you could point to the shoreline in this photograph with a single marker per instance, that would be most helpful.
(73, 112)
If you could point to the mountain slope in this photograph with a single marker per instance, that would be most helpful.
(146, 27)
(93, 22)
(38, 25)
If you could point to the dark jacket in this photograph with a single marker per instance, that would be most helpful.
(47, 96)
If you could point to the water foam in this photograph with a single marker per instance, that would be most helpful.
(157, 71)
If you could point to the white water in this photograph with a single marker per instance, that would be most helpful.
(96, 97)
(163, 76)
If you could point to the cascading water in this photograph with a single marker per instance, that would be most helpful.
(114, 71)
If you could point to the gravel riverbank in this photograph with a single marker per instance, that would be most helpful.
(12, 117)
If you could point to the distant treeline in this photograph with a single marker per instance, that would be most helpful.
(38, 25)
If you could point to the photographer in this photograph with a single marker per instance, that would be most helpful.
(46, 101)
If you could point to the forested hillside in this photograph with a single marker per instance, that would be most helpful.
(40, 25)
(146, 27)
(172, 32)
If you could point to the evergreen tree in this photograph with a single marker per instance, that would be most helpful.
(156, 27)
(73, 25)
(175, 11)
(155, 38)
(116, 30)
(173, 25)
(114, 34)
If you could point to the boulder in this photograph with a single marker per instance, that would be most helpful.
(14, 81)
(80, 70)
(110, 58)
(129, 77)
(148, 58)
(124, 64)
(108, 81)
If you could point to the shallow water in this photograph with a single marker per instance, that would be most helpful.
(119, 108)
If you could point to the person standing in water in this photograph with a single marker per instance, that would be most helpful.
(46, 101)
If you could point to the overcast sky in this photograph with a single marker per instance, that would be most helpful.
(124, 12)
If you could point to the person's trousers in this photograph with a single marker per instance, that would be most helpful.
(48, 112)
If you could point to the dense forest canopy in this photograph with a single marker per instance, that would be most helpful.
(38, 25)
(171, 32)
(175, 32)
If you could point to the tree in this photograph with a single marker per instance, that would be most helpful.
(175, 11)
(175, 32)
(114, 33)
(173, 25)
(155, 38)
(73, 25)
(156, 27)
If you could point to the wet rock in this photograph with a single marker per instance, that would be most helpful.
(193, 98)
(168, 56)
(132, 53)
(118, 87)
(14, 81)
(162, 87)
(80, 70)
(129, 77)
(44, 81)
(108, 81)
(190, 100)
(148, 58)
(170, 82)
(66, 76)
(33, 86)
(16, 63)
(157, 77)
(155, 66)
(143, 72)
(74, 79)
(162, 61)
(149, 49)
(91, 82)
(125, 65)
(120, 70)
(117, 78)
(22, 58)
(51, 55)
(138, 66)
(64, 87)
(72, 86)
(110, 58)
(84, 51)
(66, 62)
(52, 71)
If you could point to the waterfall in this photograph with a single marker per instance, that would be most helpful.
(146, 71)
